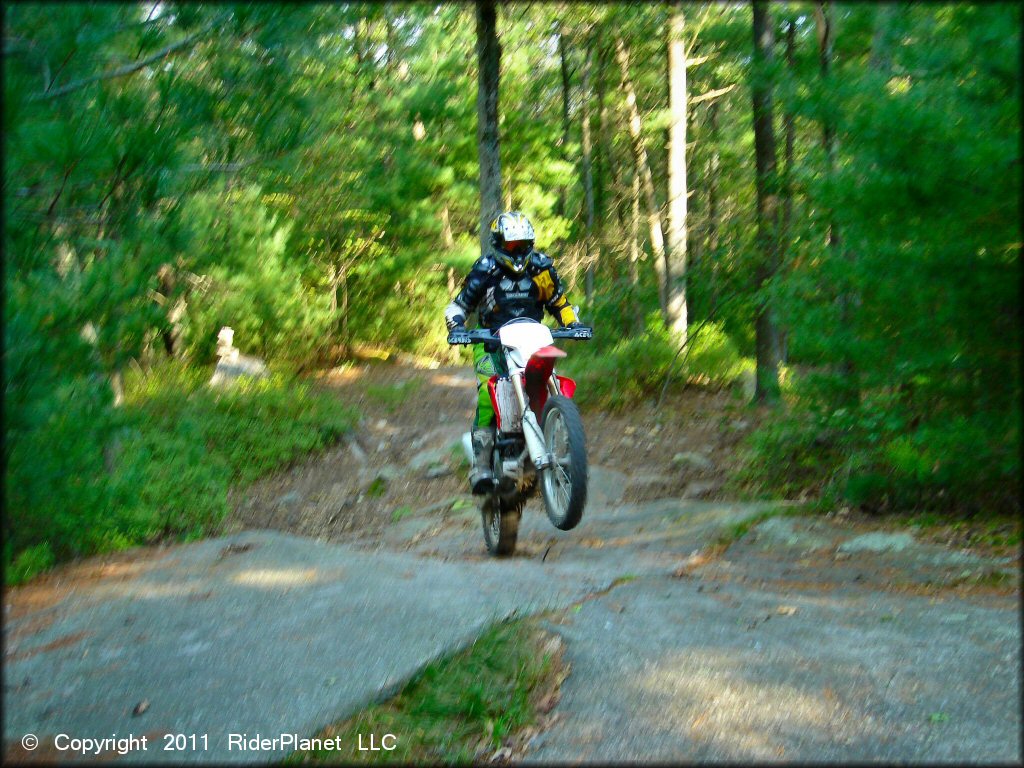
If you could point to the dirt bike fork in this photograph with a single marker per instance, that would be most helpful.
(531, 429)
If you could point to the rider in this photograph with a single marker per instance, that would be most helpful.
(511, 281)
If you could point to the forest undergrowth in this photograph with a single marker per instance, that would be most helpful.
(176, 447)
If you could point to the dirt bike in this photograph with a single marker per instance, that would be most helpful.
(538, 431)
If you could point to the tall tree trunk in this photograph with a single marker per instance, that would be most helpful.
(826, 41)
(447, 238)
(614, 197)
(602, 169)
(658, 252)
(712, 175)
(788, 127)
(488, 56)
(344, 304)
(562, 192)
(766, 388)
(634, 255)
(593, 252)
(676, 298)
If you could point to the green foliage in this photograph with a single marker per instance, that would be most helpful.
(399, 512)
(176, 447)
(908, 333)
(616, 374)
(29, 563)
(250, 286)
(883, 456)
(307, 175)
(713, 357)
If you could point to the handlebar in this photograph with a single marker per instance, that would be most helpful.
(487, 336)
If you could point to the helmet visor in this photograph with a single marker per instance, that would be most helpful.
(517, 247)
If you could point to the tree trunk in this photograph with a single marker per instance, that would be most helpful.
(614, 198)
(344, 304)
(593, 253)
(676, 298)
(488, 55)
(658, 254)
(601, 169)
(447, 238)
(713, 163)
(788, 127)
(335, 282)
(826, 40)
(634, 255)
(562, 192)
(766, 388)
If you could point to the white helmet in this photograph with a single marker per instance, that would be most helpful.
(512, 237)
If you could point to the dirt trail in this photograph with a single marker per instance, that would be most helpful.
(404, 460)
(405, 455)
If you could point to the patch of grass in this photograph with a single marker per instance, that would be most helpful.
(1001, 531)
(399, 513)
(393, 395)
(377, 487)
(737, 531)
(458, 709)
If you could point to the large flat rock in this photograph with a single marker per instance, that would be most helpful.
(679, 671)
(260, 632)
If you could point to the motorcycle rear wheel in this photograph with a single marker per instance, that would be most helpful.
(501, 524)
(564, 483)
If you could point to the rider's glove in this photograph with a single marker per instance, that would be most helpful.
(456, 323)
(575, 324)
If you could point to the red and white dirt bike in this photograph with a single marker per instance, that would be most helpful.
(539, 433)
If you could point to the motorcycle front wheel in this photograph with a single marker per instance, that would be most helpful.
(564, 482)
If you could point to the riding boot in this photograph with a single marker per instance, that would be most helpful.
(481, 479)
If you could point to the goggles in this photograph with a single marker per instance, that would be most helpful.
(517, 247)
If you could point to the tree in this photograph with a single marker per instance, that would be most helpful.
(677, 191)
(586, 169)
(488, 56)
(659, 254)
(766, 327)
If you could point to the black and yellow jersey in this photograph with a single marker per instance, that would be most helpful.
(499, 295)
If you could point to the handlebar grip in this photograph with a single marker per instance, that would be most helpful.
(581, 332)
